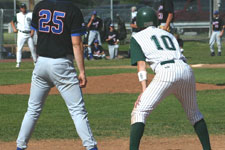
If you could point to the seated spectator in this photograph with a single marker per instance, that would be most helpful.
(180, 42)
(97, 50)
(87, 55)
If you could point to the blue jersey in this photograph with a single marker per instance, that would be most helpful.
(217, 24)
(55, 22)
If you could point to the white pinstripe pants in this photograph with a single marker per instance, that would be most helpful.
(21, 39)
(173, 78)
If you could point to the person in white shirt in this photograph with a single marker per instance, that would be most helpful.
(133, 12)
(25, 34)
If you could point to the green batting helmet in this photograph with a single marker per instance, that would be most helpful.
(146, 17)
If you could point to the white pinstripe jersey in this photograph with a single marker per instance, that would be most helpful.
(157, 46)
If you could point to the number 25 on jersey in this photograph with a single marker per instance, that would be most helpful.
(46, 18)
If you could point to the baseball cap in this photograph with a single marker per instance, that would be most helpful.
(23, 5)
(96, 41)
(216, 12)
(94, 12)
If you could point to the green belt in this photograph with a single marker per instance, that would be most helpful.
(167, 62)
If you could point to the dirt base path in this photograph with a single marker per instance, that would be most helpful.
(208, 66)
(117, 83)
(148, 143)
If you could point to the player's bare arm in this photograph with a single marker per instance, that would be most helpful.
(108, 39)
(133, 26)
(142, 74)
(32, 33)
(14, 27)
(221, 33)
(91, 20)
(78, 53)
(168, 21)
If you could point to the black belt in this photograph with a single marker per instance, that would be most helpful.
(169, 62)
(25, 31)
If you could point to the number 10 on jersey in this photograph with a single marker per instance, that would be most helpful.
(166, 40)
(56, 19)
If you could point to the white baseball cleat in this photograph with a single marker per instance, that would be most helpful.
(17, 65)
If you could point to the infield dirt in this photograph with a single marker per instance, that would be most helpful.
(148, 143)
(117, 83)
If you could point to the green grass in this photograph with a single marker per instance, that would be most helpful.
(199, 53)
(122, 47)
(10, 75)
(195, 52)
(9, 38)
(105, 63)
(109, 116)
(212, 76)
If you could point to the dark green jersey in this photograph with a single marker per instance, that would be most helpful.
(136, 52)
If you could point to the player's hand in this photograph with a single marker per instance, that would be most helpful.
(83, 80)
(138, 100)
(31, 34)
(221, 35)
(15, 30)
(166, 28)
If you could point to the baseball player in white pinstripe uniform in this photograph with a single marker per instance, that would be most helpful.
(173, 75)
(23, 20)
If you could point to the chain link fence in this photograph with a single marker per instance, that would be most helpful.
(191, 19)
(104, 14)
(7, 37)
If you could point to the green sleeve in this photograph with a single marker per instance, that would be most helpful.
(136, 52)
(14, 19)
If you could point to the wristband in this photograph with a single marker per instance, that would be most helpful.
(142, 75)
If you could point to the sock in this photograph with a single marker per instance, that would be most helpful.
(90, 55)
(203, 135)
(136, 134)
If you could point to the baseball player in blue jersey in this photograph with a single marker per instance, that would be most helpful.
(218, 30)
(59, 25)
(166, 14)
(95, 26)
(173, 75)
